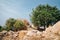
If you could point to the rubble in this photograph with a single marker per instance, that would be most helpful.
(51, 33)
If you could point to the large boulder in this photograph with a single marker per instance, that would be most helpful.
(32, 35)
(22, 34)
(52, 33)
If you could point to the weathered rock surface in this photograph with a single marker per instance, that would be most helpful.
(51, 33)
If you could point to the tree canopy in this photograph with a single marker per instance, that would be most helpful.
(9, 23)
(44, 15)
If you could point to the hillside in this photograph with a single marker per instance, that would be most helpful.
(51, 33)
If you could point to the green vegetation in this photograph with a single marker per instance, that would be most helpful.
(14, 25)
(45, 15)
(42, 15)
(1, 28)
(19, 25)
(9, 23)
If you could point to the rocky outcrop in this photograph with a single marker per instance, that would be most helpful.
(33, 35)
(51, 33)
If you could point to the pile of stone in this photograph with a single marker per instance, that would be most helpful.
(51, 33)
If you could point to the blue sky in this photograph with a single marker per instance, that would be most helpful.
(21, 8)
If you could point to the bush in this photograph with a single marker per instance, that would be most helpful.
(1, 28)
(19, 25)
(9, 24)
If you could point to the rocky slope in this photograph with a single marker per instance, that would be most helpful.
(51, 33)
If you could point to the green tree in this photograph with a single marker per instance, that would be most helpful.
(9, 23)
(44, 15)
(1, 28)
(19, 25)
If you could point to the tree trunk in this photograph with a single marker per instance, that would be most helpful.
(44, 27)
